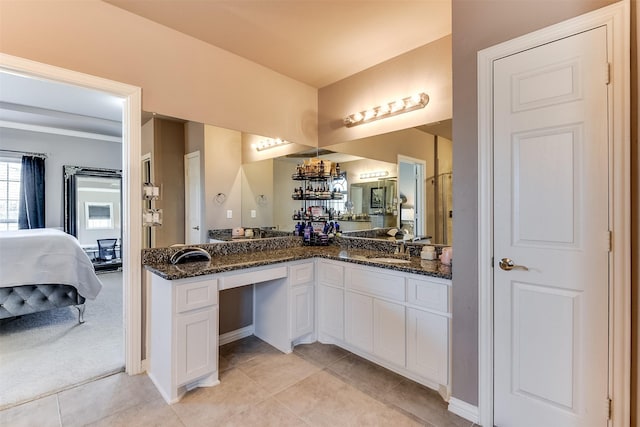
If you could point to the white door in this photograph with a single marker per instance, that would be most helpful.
(192, 232)
(411, 185)
(551, 216)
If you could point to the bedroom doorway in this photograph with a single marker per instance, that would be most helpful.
(127, 280)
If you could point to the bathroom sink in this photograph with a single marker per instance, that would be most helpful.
(390, 260)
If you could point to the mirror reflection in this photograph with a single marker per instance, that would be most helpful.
(401, 179)
(93, 212)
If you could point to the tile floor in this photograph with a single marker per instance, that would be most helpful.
(316, 385)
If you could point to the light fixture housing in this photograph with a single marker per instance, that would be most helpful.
(374, 174)
(268, 143)
(390, 109)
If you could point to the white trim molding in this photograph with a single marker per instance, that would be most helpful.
(236, 335)
(464, 409)
(131, 187)
(616, 18)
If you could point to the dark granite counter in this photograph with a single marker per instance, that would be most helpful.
(223, 261)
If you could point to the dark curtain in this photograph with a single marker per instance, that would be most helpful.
(31, 207)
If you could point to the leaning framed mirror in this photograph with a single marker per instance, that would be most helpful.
(93, 212)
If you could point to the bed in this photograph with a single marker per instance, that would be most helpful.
(43, 269)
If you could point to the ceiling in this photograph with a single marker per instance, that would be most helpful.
(29, 104)
(317, 42)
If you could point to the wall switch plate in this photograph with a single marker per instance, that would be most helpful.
(229, 214)
(253, 213)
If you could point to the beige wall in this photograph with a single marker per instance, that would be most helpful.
(425, 69)
(408, 142)
(257, 180)
(635, 215)
(478, 24)
(222, 172)
(283, 204)
(180, 76)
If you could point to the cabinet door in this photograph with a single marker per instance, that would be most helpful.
(197, 345)
(331, 315)
(427, 345)
(301, 311)
(389, 331)
(359, 321)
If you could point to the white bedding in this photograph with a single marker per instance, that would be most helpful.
(46, 256)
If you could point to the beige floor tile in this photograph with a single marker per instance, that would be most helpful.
(424, 403)
(324, 400)
(223, 364)
(93, 401)
(42, 413)
(275, 372)
(206, 406)
(156, 413)
(243, 350)
(269, 413)
(365, 375)
(320, 354)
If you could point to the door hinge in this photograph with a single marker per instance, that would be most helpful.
(610, 240)
(491, 262)
(608, 73)
(610, 409)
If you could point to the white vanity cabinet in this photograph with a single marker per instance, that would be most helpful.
(183, 335)
(393, 318)
(301, 291)
(330, 279)
(399, 320)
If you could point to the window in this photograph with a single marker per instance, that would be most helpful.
(9, 193)
(99, 215)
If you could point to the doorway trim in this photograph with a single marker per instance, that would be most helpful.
(131, 187)
(616, 18)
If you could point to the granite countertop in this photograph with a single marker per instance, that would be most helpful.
(237, 261)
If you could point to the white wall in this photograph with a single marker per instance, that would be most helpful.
(61, 150)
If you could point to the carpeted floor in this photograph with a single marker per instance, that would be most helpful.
(45, 352)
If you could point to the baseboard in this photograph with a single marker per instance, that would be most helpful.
(464, 409)
(235, 335)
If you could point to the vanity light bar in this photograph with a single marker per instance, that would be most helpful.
(267, 143)
(375, 174)
(404, 105)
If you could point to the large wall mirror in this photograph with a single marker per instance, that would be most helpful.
(258, 189)
(93, 212)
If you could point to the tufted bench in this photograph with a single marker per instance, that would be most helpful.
(27, 299)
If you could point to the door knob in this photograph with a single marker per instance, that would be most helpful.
(197, 227)
(507, 264)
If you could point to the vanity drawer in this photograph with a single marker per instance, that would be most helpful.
(194, 295)
(330, 273)
(253, 276)
(428, 294)
(300, 274)
(376, 283)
